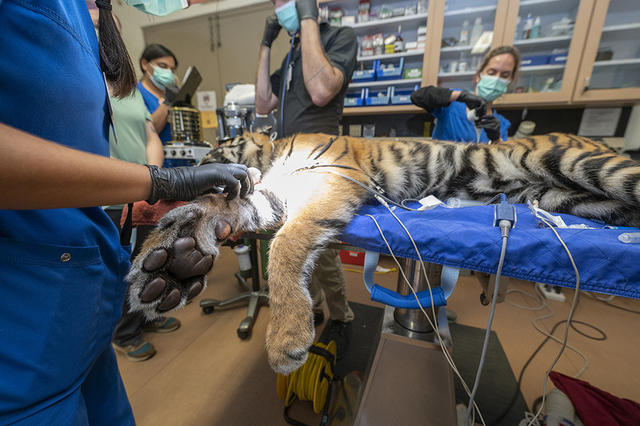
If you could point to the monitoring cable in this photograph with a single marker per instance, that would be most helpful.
(566, 330)
(505, 226)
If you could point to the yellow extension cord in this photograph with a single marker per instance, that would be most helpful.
(308, 382)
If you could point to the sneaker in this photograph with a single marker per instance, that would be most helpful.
(339, 332)
(162, 325)
(136, 353)
(318, 318)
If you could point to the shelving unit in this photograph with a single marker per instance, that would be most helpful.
(617, 62)
(541, 40)
(385, 83)
(391, 55)
(378, 23)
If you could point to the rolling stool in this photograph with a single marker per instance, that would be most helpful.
(255, 297)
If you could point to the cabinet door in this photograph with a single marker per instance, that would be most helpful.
(610, 69)
(462, 22)
(550, 35)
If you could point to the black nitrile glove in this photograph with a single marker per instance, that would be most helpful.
(271, 30)
(473, 102)
(491, 126)
(307, 9)
(170, 93)
(431, 97)
(188, 183)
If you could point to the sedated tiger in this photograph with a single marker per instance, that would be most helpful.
(305, 193)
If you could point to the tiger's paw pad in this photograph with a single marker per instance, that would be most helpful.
(167, 278)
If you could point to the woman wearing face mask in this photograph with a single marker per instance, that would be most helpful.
(454, 110)
(61, 262)
(158, 85)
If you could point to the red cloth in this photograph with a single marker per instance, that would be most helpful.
(147, 214)
(595, 406)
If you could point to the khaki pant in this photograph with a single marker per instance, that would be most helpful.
(328, 277)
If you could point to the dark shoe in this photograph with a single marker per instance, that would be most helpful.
(136, 353)
(318, 318)
(162, 325)
(339, 332)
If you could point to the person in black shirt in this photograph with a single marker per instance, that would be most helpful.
(308, 91)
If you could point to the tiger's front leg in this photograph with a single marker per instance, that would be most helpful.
(292, 257)
(172, 266)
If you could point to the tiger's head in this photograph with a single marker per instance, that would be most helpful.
(248, 149)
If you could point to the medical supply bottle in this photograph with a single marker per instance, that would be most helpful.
(399, 43)
(535, 29)
(476, 32)
(526, 30)
(464, 34)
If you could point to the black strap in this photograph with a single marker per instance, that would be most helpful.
(125, 232)
(323, 353)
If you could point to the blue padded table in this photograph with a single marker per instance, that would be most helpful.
(466, 238)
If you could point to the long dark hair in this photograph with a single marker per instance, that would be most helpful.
(155, 51)
(114, 58)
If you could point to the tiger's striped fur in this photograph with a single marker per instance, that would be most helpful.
(302, 195)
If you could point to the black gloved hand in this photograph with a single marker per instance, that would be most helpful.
(187, 183)
(473, 102)
(271, 30)
(431, 97)
(491, 126)
(307, 9)
(170, 93)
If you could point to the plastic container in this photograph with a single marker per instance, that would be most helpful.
(529, 61)
(558, 58)
(244, 259)
(378, 97)
(355, 98)
(402, 96)
(390, 71)
(368, 74)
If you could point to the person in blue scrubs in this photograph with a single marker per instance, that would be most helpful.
(61, 262)
(451, 108)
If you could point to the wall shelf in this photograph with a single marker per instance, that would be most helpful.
(388, 21)
(470, 11)
(541, 40)
(535, 68)
(391, 55)
(385, 83)
(382, 109)
(621, 27)
(617, 62)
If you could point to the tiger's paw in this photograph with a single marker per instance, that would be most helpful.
(288, 344)
(172, 268)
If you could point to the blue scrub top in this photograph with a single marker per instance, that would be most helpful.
(452, 125)
(152, 104)
(61, 279)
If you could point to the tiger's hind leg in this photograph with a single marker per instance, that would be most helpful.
(172, 265)
(293, 253)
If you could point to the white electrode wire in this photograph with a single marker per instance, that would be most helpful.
(445, 351)
(566, 329)
(487, 333)
(534, 322)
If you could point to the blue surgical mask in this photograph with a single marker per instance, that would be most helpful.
(158, 7)
(162, 77)
(491, 87)
(288, 17)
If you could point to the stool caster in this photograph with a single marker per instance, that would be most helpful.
(244, 330)
(207, 310)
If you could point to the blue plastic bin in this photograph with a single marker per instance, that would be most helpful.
(558, 58)
(393, 72)
(368, 74)
(355, 98)
(530, 61)
(378, 97)
(402, 96)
